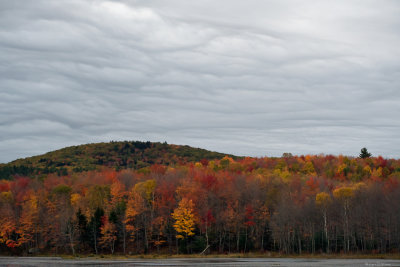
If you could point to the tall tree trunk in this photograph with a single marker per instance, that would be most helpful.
(146, 242)
(299, 243)
(326, 232)
(229, 242)
(262, 239)
(71, 239)
(124, 238)
(245, 242)
(206, 235)
(95, 238)
(237, 240)
(220, 246)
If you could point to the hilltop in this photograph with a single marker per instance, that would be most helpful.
(118, 155)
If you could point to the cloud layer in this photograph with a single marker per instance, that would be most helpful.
(244, 77)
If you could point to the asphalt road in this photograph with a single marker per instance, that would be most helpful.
(54, 261)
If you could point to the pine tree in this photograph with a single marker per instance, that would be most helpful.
(364, 153)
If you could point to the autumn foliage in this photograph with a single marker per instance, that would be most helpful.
(293, 204)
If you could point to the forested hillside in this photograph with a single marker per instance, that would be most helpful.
(293, 204)
(117, 155)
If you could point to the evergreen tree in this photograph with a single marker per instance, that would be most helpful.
(364, 153)
(94, 226)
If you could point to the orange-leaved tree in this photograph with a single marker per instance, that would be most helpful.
(109, 234)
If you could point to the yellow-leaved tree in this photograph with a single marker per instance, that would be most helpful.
(184, 219)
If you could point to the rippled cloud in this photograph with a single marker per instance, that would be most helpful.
(250, 78)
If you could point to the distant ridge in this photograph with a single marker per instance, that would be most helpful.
(118, 155)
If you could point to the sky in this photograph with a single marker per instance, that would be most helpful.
(251, 78)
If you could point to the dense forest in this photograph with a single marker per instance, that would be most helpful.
(292, 204)
(116, 155)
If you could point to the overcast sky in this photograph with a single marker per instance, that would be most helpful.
(252, 77)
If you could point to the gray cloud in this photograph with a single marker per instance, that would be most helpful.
(250, 78)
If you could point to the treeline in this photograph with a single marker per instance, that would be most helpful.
(115, 155)
(307, 204)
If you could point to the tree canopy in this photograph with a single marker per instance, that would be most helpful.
(296, 204)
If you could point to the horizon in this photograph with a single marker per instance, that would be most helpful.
(263, 156)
